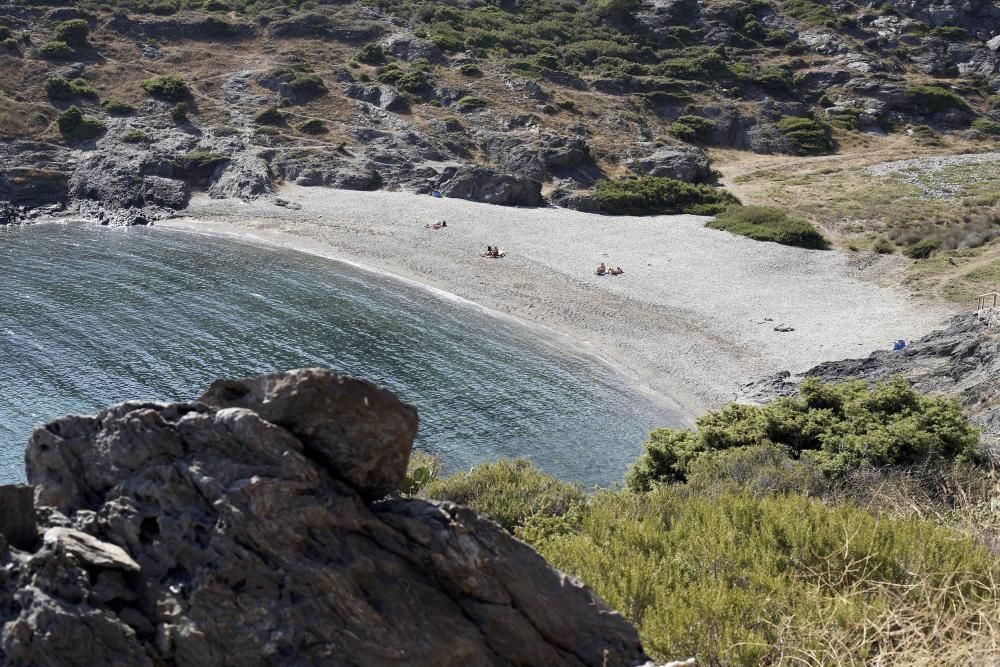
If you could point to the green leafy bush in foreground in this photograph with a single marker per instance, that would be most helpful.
(652, 195)
(116, 107)
(734, 580)
(55, 50)
(935, 99)
(837, 427)
(58, 88)
(764, 223)
(508, 491)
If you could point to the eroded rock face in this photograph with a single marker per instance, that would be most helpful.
(242, 530)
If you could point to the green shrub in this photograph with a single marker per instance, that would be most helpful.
(171, 88)
(271, 116)
(692, 128)
(839, 427)
(73, 32)
(55, 50)
(935, 99)
(760, 470)
(925, 136)
(179, 112)
(74, 126)
(371, 54)
(470, 102)
(58, 88)
(809, 11)
(117, 107)
(470, 69)
(809, 136)
(9, 43)
(308, 86)
(312, 126)
(764, 223)
(986, 126)
(216, 6)
(736, 580)
(923, 249)
(135, 136)
(884, 246)
(421, 470)
(950, 33)
(651, 195)
(508, 491)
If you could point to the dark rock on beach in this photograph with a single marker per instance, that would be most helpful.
(252, 527)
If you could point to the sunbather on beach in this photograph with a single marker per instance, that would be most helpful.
(601, 270)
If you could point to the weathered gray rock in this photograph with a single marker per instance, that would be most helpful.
(352, 427)
(191, 534)
(486, 185)
(247, 176)
(410, 48)
(683, 163)
(322, 26)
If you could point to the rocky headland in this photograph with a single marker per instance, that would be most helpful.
(260, 525)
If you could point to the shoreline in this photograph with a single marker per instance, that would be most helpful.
(694, 318)
(544, 333)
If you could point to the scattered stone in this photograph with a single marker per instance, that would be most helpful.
(90, 551)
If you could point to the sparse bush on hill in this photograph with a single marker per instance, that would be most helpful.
(650, 195)
(808, 135)
(935, 99)
(73, 32)
(508, 491)
(986, 126)
(312, 126)
(117, 107)
(764, 223)
(470, 102)
(179, 112)
(923, 249)
(925, 136)
(692, 128)
(308, 85)
(884, 246)
(58, 88)
(838, 427)
(371, 54)
(270, 116)
(75, 126)
(171, 88)
(55, 50)
(135, 136)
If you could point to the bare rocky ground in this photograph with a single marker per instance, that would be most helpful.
(257, 526)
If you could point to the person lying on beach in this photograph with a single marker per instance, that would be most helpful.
(436, 225)
(601, 270)
(617, 271)
(493, 252)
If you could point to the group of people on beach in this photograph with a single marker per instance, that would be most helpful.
(605, 271)
(436, 225)
(493, 252)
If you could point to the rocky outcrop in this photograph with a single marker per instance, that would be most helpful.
(962, 359)
(486, 185)
(683, 163)
(252, 527)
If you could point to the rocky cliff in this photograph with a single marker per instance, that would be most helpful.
(257, 526)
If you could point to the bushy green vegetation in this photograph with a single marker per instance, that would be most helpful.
(179, 112)
(117, 107)
(75, 126)
(470, 69)
(371, 54)
(73, 32)
(925, 136)
(55, 50)
(838, 428)
(986, 126)
(135, 136)
(935, 99)
(764, 223)
(738, 580)
(58, 88)
(651, 195)
(884, 246)
(923, 249)
(508, 491)
(808, 135)
(270, 116)
(171, 88)
(470, 102)
(307, 85)
(693, 129)
(312, 126)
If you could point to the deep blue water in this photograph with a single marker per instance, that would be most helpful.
(91, 316)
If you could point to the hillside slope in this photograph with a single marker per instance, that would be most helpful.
(504, 102)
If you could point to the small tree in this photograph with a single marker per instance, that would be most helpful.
(73, 32)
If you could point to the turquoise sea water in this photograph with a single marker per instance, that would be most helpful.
(91, 316)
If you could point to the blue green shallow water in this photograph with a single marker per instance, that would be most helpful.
(91, 316)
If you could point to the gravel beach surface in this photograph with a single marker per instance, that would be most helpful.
(697, 314)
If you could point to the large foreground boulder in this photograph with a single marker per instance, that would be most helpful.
(251, 528)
